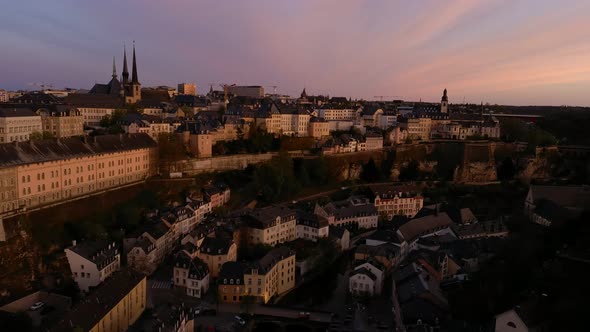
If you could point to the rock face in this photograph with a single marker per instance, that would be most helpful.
(478, 164)
(476, 172)
(536, 168)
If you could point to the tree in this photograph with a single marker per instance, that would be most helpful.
(370, 172)
(506, 170)
(410, 172)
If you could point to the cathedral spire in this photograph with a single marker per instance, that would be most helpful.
(125, 71)
(114, 68)
(134, 70)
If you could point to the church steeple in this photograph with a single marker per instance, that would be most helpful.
(444, 103)
(134, 78)
(114, 75)
(125, 70)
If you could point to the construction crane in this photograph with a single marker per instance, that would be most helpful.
(274, 88)
(381, 97)
(43, 86)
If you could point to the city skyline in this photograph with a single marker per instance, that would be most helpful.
(501, 52)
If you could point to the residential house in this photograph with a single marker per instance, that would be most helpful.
(367, 278)
(310, 226)
(271, 225)
(272, 275)
(215, 251)
(354, 212)
(192, 274)
(230, 287)
(91, 262)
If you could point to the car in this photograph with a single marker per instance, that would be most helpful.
(37, 306)
(240, 320)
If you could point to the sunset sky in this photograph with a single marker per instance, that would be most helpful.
(520, 52)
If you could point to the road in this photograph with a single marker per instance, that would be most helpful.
(316, 316)
(324, 193)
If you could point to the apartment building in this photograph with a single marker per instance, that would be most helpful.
(192, 274)
(152, 127)
(217, 195)
(373, 141)
(253, 91)
(318, 127)
(397, 200)
(272, 275)
(62, 122)
(311, 227)
(215, 251)
(17, 124)
(91, 262)
(113, 307)
(55, 170)
(8, 190)
(419, 128)
(187, 89)
(149, 246)
(230, 287)
(354, 212)
(335, 114)
(271, 225)
(367, 278)
(94, 107)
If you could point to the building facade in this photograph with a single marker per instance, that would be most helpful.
(17, 124)
(216, 251)
(112, 307)
(272, 275)
(92, 262)
(271, 225)
(51, 171)
(187, 89)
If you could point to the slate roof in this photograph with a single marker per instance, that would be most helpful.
(97, 304)
(266, 217)
(16, 112)
(36, 151)
(197, 269)
(99, 252)
(231, 270)
(270, 259)
(566, 196)
(215, 245)
(94, 100)
(310, 219)
(424, 225)
(386, 191)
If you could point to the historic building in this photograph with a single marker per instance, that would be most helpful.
(17, 124)
(130, 90)
(54, 170)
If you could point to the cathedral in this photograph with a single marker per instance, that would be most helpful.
(129, 90)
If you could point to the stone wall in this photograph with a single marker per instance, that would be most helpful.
(221, 163)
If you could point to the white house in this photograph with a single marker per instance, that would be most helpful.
(369, 278)
(92, 262)
(192, 274)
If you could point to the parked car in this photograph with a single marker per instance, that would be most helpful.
(37, 306)
(240, 320)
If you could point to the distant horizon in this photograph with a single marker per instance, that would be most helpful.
(517, 53)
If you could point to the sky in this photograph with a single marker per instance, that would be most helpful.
(520, 52)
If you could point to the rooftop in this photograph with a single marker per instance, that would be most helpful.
(96, 305)
(36, 151)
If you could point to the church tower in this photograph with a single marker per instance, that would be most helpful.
(133, 88)
(125, 75)
(444, 103)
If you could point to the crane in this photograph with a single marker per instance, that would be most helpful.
(43, 86)
(381, 97)
(274, 88)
